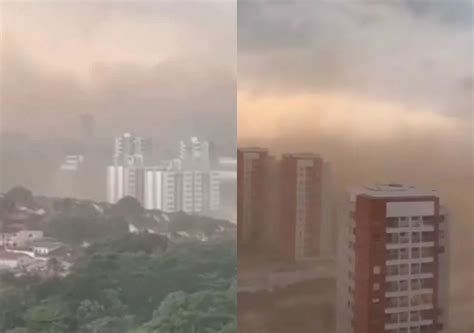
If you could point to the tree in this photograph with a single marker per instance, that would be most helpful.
(128, 282)
(44, 318)
(53, 266)
(76, 230)
(19, 195)
(17, 330)
(203, 311)
(88, 311)
(112, 303)
(13, 303)
(110, 325)
(64, 205)
(127, 207)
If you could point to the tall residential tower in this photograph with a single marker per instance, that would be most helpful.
(393, 262)
(251, 194)
(304, 206)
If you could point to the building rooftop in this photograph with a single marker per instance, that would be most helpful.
(46, 243)
(4, 255)
(303, 155)
(253, 150)
(390, 190)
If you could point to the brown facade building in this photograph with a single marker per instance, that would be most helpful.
(304, 210)
(251, 198)
(283, 205)
(393, 262)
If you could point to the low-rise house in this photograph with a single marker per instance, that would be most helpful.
(20, 238)
(12, 261)
(45, 246)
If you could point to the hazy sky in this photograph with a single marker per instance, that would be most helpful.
(383, 90)
(155, 67)
(367, 68)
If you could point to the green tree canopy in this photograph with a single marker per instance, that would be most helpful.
(127, 207)
(18, 195)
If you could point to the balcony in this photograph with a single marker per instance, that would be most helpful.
(427, 268)
(392, 270)
(427, 237)
(427, 284)
(392, 287)
(415, 237)
(428, 221)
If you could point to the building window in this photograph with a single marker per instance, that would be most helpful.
(376, 286)
(392, 254)
(403, 238)
(415, 252)
(415, 284)
(392, 222)
(415, 221)
(403, 285)
(376, 270)
(403, 302)
(403, 223)
(415, 268)
(404, 253)
(403, 270)
(392, 270)
(375, 300)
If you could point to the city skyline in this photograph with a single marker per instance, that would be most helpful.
(110, 60)
(381, 90)
(251, 166)
(100, 68)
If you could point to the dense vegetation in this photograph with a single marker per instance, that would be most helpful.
(124, 282)
(131, 284)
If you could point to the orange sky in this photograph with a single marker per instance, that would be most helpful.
(271, 116)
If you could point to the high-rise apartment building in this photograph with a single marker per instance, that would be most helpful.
(87, 127)
(161, 190)
(393, 262)
(197, 155)
(125, 181)
(126, 177)
(283, 205)
(193, 192)
(251, 194)
(68, 180)
(131, 150)
(304, 214)
(187, 184)
(72, 162)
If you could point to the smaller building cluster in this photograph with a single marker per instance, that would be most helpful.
(392, 253)
(24, 250)
(190, 183)
(283, 205)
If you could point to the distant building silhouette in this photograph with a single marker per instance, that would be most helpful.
(187, 183)
(197, 155)
(130, 150)
(87, 128)
(191, 191)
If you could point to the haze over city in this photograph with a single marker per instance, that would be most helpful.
(382, 90)
(258, 166)
(161, 70)
(117, 166)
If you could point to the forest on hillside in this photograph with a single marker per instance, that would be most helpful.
(131, 285)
